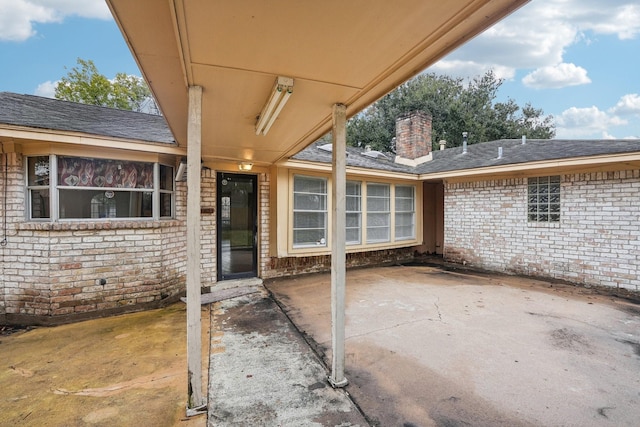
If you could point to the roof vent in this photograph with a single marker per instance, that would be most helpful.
(326, 147)
(375, 154)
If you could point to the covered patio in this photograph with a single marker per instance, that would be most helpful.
(248, 84)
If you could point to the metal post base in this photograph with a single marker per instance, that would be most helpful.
(339, 384)
(198, 410)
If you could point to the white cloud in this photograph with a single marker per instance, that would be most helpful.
(556, 76)
(46, 89)
(538, 34)
(580, 122)
(627, 105)
(17, 17)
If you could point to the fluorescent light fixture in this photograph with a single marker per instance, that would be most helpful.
(245, 166)
(280, 94)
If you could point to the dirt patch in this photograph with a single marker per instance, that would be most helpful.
(122, 370)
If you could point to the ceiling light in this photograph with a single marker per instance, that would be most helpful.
(245, 166)
(280, 94)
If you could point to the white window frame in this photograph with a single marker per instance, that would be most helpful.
(54, 192)
(411, 212)
(354, 213)
(324, 196)
(380, 213)
(544, 199)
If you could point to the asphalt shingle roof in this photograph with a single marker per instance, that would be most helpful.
(355, 158)
(54, 114)
(484, 154)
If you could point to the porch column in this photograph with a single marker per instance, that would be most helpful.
(338, 238)
(195, 403)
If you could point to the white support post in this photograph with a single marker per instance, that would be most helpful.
(196, 404)
(338, 242)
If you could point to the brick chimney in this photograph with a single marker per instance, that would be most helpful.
(413, 138)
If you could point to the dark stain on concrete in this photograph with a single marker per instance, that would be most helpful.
(634, 345)
(566, 339)
(243, 317)
(427, 398)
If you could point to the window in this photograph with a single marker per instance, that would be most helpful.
(38, 187)
(309, 211)
(378, 213)
(354, 213)
(405, 212)
(544, 199)
(89, 188)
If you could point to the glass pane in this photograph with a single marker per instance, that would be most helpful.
(533, 217)
(40, 207)
(377, 190)
(308, 220)
(353, 236)
(104, 204)
(309, 237)
(377, 234)
(554, 207)
(236, 232)
(554, 188)
(165, 205)
(378, 205)
(533, 208)
(376, 220)
(533, 189)
(405, 232)
(309, 202)
(166, 177)
(554, 179)
(543, 189)
(543, 180)
(353, 188)
(38, 170)
(352, 203)
(543, 199)
(543, 208)
(353, 220)
(309, 185)
(88, 172)
(404, 191)
(554, 217)
(404, 219)
(543, 218)
(405, 205)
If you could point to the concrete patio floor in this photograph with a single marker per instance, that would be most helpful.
(425, 347)
(431, 347)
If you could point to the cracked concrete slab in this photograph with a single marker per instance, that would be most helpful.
(428, 347)
(263, 373)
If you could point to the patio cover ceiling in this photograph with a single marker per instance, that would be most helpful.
(351, 52)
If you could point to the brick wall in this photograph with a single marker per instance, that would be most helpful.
(58, 272)
(290, 266)
(597, 241)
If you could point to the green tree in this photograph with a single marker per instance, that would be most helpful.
(455, 107)
(84, 84)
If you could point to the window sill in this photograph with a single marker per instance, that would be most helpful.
(313, 251)
(543, 224)
(96, 225)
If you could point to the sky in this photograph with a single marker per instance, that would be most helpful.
(577, 60)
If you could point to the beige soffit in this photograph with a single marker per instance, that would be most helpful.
(351, 52)
(351, 170)
(27, 134)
